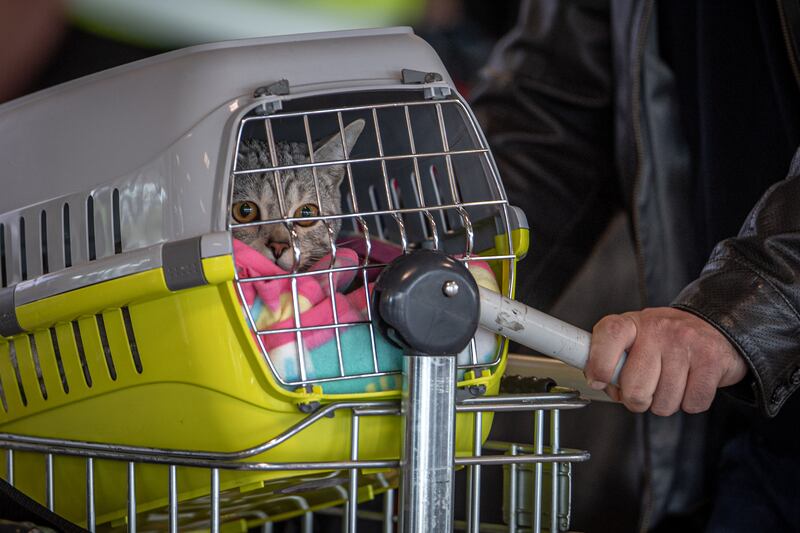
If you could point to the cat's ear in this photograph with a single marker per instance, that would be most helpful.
(331, 150)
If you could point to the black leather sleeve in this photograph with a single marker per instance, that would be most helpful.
(750, 290)
(545, 103)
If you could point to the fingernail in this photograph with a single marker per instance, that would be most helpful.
(597, 385)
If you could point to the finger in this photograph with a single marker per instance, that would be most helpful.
(613, 393)
(669, 392)
(610, 337)
(701, 387)
(639, 376)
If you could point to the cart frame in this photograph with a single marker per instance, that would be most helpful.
(545, 448)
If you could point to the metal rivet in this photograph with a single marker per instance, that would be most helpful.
(450, 288)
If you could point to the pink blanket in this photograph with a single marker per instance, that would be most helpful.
(272, 307)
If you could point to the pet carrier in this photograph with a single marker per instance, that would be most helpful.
(189, 246)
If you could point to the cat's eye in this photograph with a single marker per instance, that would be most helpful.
(306, 210)
(245, 212)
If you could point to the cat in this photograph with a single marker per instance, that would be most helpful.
(254, 198)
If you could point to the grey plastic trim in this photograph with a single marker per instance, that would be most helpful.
(517, 218)
(86, 274)
(183, 264)
(9, 325)
(107, 268)
(216, 244)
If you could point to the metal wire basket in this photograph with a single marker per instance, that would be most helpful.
(534, 499)
(135, 351)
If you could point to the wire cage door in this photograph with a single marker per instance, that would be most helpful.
(417, 176)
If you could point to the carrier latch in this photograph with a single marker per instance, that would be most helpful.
(279, 88)
(418, 77)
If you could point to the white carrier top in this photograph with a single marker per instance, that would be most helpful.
(85, 133)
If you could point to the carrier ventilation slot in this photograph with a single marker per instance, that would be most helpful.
(394, 188)
(3, 278)
(67, 237)
(425, 222)
(23, 254)
(59, 362)
(437, 195)
(3, 396)
(76, 331)
(12, 354)
(116, 223)
(101, 328)
(373, 200)
(90, 227)
(126, 317)
(37, 366)
(43, 238)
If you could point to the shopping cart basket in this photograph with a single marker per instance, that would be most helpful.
(146, 375)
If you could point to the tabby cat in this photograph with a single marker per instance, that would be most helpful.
(255, 199)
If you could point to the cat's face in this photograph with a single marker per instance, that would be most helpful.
(255, 198)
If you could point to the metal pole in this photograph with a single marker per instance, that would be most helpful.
(131, 497)
(388, 512)
(538, 449)
(426, 490)
(474, 501)
(512, 493)
(427, 303)
(352, 497)
(10, 467)
(307, 523)
(173, 499)
(555, 445)
(90, 511)
(49, 489)
(214, 500)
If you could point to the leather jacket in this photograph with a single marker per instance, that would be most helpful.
(577, 107)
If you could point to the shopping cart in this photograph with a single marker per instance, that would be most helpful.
(143, 384)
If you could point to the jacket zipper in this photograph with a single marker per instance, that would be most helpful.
(787, 39)
(636, 112)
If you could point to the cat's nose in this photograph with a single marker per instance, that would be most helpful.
(278, 247)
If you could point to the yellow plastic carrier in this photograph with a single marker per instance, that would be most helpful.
(121, 308)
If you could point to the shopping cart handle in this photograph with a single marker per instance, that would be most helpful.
(539, 331)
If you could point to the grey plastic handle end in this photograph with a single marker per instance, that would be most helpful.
(539, 331)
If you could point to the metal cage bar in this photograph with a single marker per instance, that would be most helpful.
(131, 497)
(474, 479)
(90, 504)
(49, 488)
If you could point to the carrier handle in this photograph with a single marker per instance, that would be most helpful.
(537, 330)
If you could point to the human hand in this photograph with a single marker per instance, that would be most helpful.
(676, 360)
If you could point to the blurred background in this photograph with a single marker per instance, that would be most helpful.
(47, 42)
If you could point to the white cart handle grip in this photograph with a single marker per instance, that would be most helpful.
(539, 331)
